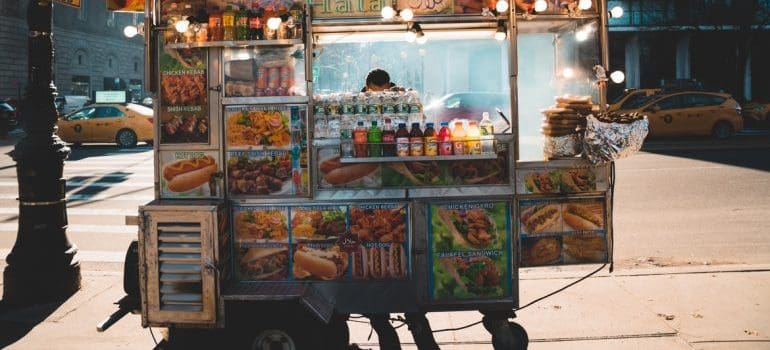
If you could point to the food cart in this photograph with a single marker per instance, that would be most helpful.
(262, 208)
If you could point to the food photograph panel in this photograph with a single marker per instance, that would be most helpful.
(262, 262)
(260, 224)
(378, 261)
(319, 261)
(318, 223)
(470, 252)
(334, 174)
(263, 173)
(189, 174)
(184, 111)
(541, 251)
(379, 222)
(561, 181)
(267, 126)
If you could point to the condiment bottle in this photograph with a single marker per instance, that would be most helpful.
(458, 139)
(445, 140)
(416, 141)
(473, 138)
(203, 33)
(374, 138)
(402, 141)
(215, 25)
(228, 24)
(487, 134)
(431, 140)
(255, 22)
(388, 139)
(242, 24)
(359, 139)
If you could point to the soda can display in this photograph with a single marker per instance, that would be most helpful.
(273, 78)
(261, 78)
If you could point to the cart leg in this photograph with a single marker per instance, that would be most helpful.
(385, 331)
(421, 332)
(505, 335)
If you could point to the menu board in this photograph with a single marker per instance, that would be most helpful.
(189, 174)
(266, 150)
(125, 5)
(184, 112)
(470, 251)
(562, 231)
(561, 181)
(334, 174)
(321, 242)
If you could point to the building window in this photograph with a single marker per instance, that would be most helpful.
(111, 20)
(83, 12)
(81, 85)
(136, 66)
(109, 63)
(80, 60)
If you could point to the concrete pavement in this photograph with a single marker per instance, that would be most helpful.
(685, 307)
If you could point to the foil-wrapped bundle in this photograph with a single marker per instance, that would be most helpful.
(606, 140)
(562, 146)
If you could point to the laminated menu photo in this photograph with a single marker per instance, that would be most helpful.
(262, 173)
(319, 261)
(556, 181)
(262, 262)
(382, 231)
(184, 112)
(259, 126)
(189, 174)
(261, 223)
(470, 250)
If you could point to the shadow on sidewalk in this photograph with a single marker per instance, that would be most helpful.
(15, 323)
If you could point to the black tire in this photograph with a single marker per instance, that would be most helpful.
(522, 339)
(723, 130)
(126, 138)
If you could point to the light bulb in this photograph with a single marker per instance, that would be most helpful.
(500, 36)
(617, 77)
(502, 6)
(616, 12)
(584, 4)
(581, 35)
(410, 36)
(421, 38)
(407, 14)
(568, 73)
(130, 31)
(388, 13)
(541, 5)
(182, 25)
(274, 23)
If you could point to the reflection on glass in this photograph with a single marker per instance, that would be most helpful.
(455, 78)
(264, 71)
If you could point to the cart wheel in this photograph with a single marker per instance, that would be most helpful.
(519, 335)
(273, 339)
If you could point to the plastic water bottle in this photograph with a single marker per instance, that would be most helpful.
(486, 128)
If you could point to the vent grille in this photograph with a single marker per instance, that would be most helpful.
(179, 265)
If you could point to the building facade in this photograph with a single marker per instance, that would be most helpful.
(90, 51)
(724, 44)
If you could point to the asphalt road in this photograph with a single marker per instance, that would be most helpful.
(673, 205)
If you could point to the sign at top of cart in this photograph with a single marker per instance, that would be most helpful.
(373, 8)
(124, 5)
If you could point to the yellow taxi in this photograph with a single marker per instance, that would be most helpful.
(631, 98)
(124, 124)
(691, 113)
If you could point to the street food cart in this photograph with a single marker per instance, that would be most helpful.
(267, 203)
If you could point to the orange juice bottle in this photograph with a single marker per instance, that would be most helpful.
(473, 139)
(458, 139)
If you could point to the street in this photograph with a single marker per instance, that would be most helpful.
(678, 213)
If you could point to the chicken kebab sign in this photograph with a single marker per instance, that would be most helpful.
(184, 111)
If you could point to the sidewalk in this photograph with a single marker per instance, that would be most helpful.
(691, 307)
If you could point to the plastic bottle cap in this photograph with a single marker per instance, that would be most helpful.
(360, 123)
(429, 125)
(374, 123)
(444, 123)
(458, 123)
(415, 125)
(472, 122)
(401, 125)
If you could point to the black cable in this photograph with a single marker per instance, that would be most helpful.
(562, 288)
(458, 328)
(153, 336)
(612, 214)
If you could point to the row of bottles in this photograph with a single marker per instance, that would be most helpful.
(477, 138)
(239, 22)
(337, 112)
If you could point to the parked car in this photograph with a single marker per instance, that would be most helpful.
(691, 113)
(757, 114)
(122, 124)
(470, 105)
(631, 98)
(8, 119)
(70, 103)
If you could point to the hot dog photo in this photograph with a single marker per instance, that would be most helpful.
(540, 217)
(189, 174)
(335, 174)
(319, 262)
(379, 261)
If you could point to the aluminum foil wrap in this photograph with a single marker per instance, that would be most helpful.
(605, 142)
(562, 146)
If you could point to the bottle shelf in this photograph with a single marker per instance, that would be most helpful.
(236, 43)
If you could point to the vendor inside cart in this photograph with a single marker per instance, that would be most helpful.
(379, 80)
